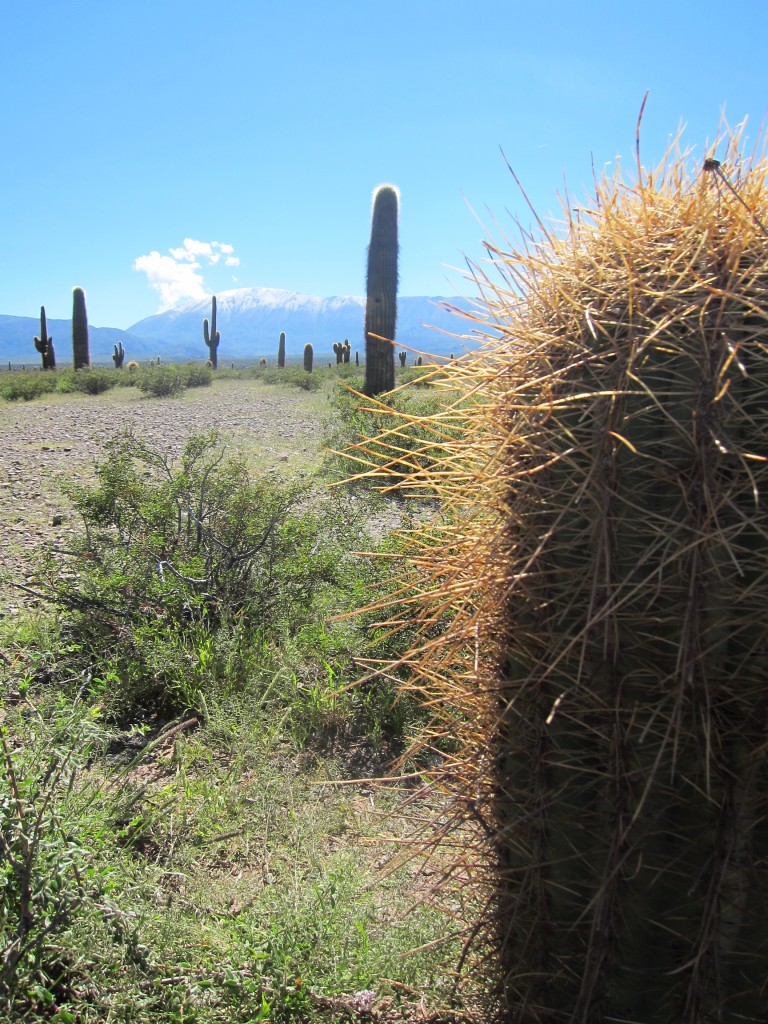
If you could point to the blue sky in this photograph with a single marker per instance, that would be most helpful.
(158, 150)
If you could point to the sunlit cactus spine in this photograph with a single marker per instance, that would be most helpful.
(601, 580)
(381, 288)
(212, 336)
(308, 357)
(44, 344)
(281, 351)
(81, 356)
(118, 355)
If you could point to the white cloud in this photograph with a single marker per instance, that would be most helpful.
(177, 277)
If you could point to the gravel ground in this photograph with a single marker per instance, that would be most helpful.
(63, 437)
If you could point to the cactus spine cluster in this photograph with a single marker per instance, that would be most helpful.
(281, 351)
(81, 356)
(605, 561)
(308, 357)
(44, 344)
(118, 355)
(381, 299)
(211, 337)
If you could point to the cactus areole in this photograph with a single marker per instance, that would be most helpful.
(81, 357)
(212, 337)
(381, 299)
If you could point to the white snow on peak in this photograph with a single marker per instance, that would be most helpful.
(239, 300)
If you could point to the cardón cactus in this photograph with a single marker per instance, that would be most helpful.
(44, 344)
(381, 300)
(602, 559)
(81, 356)
(308, 357)
(281, 351)
(118, 355)
(212, 337)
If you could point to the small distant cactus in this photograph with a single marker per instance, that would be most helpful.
(402, 356)
(347, 351)
(309, 354)
(118, 355)
(357, 358)
(262, 363)
(338, 351)
(281, 351)
(44, 344)
(80, 351)
(212, 337)
(132, 366)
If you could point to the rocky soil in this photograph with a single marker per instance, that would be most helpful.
(62, 437)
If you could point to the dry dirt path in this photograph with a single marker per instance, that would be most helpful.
(63, 437)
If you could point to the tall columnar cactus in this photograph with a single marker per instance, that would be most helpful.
(281, 351)
(346, 351)
(605, 564)
(402, 356)
(338, 351)
(44, 344)
(81, 356)
(308, 357)
(118, 355)
(211, 336)
(381, 301)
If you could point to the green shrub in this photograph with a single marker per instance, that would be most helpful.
(192, 574)
(93, 381)
(291, 376)
(26, 384)
(196, 375)
(160, 381)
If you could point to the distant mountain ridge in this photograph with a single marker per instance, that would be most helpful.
(250, 321)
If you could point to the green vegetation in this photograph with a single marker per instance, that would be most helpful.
(178, 715)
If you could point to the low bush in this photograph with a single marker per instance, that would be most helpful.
(160, 381)
(196, 375)
(290, 376)
(24, 385)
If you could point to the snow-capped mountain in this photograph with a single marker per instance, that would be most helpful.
(250, 321)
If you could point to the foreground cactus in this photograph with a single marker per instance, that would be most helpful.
(81, 356)
(308, 357)
(44, 344)
(118, 355)
(603, 555)
(381, 300)
(212, 337)
(281, 351)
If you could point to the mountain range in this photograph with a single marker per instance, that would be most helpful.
(249, 321)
